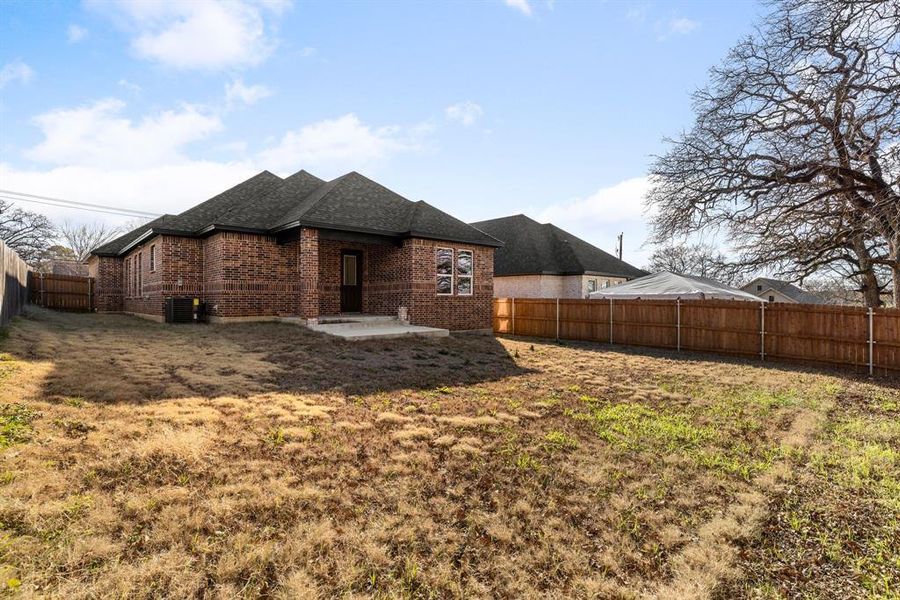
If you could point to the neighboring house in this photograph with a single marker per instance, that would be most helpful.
(67, 267)
(543, 261)
(304, 247)
(776, 290)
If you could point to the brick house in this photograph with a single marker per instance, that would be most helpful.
(540, 260)
(302, 247)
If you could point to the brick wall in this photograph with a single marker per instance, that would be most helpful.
(107, 274)
(450, 312)
(177, 272)
(251, 275)
(549, 286)
(247, 275)
(384, 276)
(308, 252)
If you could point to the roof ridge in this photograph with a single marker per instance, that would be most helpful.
(414, 210)
(564, 244)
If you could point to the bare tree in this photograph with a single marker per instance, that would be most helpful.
(85, 237)
(795, 151)
(29, 234)
(701, 260)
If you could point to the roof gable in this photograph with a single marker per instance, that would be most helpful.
(268, 210)
(117, 245)
(533, 248)
(786, 288)
(267, 204)
(210, 212)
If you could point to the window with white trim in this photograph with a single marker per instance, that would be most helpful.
(592, 285)
(465, 269)
(127, 277)
(444, 268)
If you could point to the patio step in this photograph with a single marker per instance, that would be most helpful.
(367, 327)
(359, 320)
(382, 332)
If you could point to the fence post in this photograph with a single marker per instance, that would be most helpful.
(762, 331)
(513, 316)
(557, 319)
(678, 321)
(871, 344)
(610, 321)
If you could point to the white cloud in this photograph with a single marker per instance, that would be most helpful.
(98, 135)
(15, 71)
(169, 188)
(308, 51)
(340, 144)
(464, 112)
(200, 34)
(520, 5)
(637, 12)
(95, 153)
(600, 217)
(131, 87)
(236, 92)
(76, 33)
(682, 26)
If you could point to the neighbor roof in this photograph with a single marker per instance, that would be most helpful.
(788, 289)
(532, 248)
(668, 285)
(267, 204)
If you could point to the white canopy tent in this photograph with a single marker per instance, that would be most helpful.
(672, 286)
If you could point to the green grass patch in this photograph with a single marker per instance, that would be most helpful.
(557, 440)
(637, 426)
(15, 424)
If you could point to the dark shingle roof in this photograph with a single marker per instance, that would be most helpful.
(114, 247)
(268, 211)
(788, 289)
(531, 248)
(266, 203)
(251, 191)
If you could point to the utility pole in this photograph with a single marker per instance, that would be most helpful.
(619, 250)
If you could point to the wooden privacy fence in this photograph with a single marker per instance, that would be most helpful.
(860, 338)
(14, 287)
(62, 292)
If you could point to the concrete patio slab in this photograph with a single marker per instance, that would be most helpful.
(367, 327)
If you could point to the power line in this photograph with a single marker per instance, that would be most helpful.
(73, 204)
(96, 210)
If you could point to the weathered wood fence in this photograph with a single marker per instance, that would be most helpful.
(14, 287)
(858, 338)
(62, 292)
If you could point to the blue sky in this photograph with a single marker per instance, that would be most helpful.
(484, 109)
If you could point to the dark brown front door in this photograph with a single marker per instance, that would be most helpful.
(351, 281)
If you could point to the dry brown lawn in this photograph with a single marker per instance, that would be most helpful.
(140, 460)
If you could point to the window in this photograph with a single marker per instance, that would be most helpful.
(592, 285)
(465, 267)
(127, 274)
(140, 273)
(444, 271)
(605, 283)
(349, 269)
(152, 258)
(771, 298)
(759, 288)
